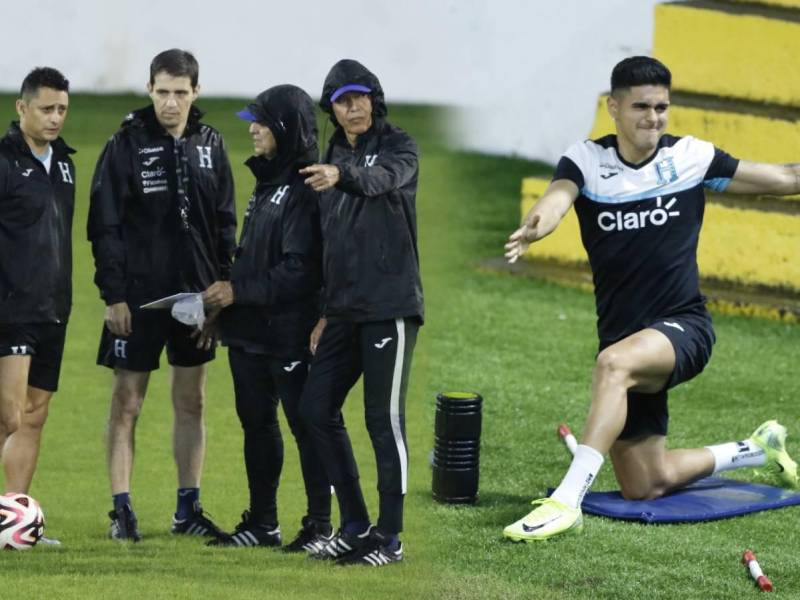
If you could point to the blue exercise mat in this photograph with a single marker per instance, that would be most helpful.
(705, 500)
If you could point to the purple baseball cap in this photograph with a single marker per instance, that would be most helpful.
(350, 87)
(252, 112)
(246, 115)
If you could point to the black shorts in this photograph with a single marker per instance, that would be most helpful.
(141, 350)
(44, 343)
(692, 337)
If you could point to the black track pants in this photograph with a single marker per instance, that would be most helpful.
(382, 351)
(259, 381)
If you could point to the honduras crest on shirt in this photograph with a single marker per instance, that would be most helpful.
(666, 171)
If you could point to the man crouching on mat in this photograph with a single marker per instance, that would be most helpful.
(639, 198)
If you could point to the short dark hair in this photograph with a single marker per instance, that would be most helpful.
(42, 77)
(639, 70)
(175, 62)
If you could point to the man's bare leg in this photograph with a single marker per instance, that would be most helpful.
(21, 449)
(127, 397)
(13, 388)
(645, 469)
(189, 434)
(642, 362)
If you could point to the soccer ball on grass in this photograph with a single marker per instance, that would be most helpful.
(21, 522)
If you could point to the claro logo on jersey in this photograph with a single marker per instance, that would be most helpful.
(157, 172)
(619, 221)
(154, 180)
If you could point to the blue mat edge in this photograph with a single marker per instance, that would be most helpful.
(789, 498)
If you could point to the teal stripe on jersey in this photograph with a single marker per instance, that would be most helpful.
(650, 194)
(718, 184)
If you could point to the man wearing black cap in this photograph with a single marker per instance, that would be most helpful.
(37, 198)
(270, 306)
(161, 221)
(373, 307)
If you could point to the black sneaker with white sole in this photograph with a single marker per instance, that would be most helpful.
(341, 545)
(312, 537)
(249, 534)
(376, 552)
(124, 526)
(196, 524)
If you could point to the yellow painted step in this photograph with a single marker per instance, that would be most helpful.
(736, 245)
(729, 54)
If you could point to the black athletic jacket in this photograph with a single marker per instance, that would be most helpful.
(162, 217)
(369, 222)
(276, 274)
(35, 232)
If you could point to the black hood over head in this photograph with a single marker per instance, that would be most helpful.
(289, 113)
(350, 72)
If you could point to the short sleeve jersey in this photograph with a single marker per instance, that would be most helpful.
(640, 226)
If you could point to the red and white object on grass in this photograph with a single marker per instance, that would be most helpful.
(568, 438)
(749, 559)
(21, 522)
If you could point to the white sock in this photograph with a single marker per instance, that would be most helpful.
(735, 455)
(584, 468)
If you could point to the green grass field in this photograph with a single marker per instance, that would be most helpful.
(526, 345)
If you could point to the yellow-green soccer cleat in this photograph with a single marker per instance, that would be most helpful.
(771, 437)
(549, 518)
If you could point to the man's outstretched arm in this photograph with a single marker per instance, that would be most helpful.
(765, 178)
(543, 218)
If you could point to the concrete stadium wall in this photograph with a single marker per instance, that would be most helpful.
(525, 73)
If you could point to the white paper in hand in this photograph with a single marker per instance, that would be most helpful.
(189, 311)
(167, 301)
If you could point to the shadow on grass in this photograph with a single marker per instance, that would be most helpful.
(493, 510)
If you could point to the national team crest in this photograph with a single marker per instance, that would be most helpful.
(666, 171)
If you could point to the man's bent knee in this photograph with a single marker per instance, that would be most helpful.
(315, 416)
(10, 421)
(36, 416)
(613, 365)
(37, 407)
(643, 490)
(189, 406)
(128, 394)
(125, 406)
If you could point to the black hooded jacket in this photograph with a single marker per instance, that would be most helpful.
(35, 232)
(162, 217)
(369, 222)
(276, 274)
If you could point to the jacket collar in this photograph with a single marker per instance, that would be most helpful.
(14, 135)
(339, 137)
(272, 172)
(146, 117)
